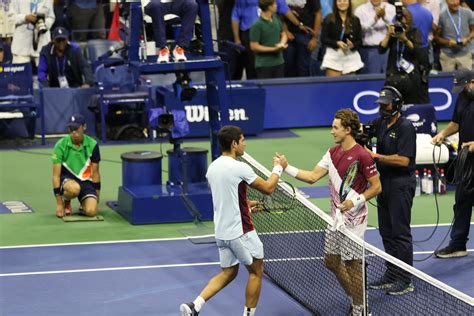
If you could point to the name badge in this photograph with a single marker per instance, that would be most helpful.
(63, 82)
(407, 66)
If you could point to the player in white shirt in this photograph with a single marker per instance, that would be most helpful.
(235, 235)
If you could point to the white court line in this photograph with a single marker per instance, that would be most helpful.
(160, 266)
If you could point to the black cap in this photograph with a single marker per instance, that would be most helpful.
(76, 121)
(386, 96)
(461, 78)
(60, 33)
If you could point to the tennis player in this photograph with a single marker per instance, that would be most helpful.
(235, 234)
(344, 263)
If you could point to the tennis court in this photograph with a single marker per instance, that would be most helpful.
(101, 268)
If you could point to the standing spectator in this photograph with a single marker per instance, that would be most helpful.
(463, 117)
(33, 20)
(456, 29)
(225, 35)
(60, 13)
(86, 16)
(301, 43)
(342, 36)
(5, 53)
(375, 16)
(403, 66)
(62, 63)
(267, 40)
(422, 19)
(187, 11)
(435, 8)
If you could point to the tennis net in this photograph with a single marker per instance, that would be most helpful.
(295, 245)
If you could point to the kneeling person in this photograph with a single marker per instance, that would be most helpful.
(76, 170)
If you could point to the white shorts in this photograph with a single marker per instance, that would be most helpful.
(336, 243)
(243, 249)
(337, 60)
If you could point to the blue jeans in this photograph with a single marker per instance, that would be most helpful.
(374, 62)
(297, 56)
(185, 9)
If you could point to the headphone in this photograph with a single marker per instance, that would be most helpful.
(397, 100)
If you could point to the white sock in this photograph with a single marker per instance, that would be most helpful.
(249, 311)
(198, 303)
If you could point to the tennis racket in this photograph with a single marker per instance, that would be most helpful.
(344, 189)
(280, 201)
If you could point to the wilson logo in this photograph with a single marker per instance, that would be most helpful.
(200, 113)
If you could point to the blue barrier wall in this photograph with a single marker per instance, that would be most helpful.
(289, 103)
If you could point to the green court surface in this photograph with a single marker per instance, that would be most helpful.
(26, 176)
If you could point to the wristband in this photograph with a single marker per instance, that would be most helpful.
(57, 191)
(357, 200)
(96, 185)
(292, 171)
(278, 169)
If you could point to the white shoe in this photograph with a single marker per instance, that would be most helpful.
(164, 55)
(178, 54)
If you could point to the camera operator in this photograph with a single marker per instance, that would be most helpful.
(462, 122)
(403, 66)
(395, 158)
(33, 20)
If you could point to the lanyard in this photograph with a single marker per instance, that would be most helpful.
(400, 51)
(62, 69)
(341, 37)
(34, 5)
(458, 27)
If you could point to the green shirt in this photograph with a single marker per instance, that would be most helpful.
(76, 161)
(267, 33)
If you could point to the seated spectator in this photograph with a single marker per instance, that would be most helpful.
(5, 53)
(342, 36)
(375, 17)
(62, 63)
(33, 21)
(187, 11)
(300, 42)
(76, 174)
(454, 34)
(85, 16)
(403, 67)
(268, 40)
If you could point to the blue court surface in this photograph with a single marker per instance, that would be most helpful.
(153, 277)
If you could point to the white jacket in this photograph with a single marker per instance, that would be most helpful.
(22, 43)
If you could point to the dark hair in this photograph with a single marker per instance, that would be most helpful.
(334, 16)
(227, 135)
(350, 119)
(264, 4)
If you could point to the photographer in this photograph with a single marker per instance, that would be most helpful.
(395, 158)
(403, 66)
(33, 20)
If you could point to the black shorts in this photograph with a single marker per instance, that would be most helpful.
(87, 189)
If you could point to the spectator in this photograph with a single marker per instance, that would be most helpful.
(33, 20)
(86, 18)
(225, 35)
(403, 66)
(422, 19)
(61, 14)
(456, 29)
(5, 54)
(76, 169)
(62, 63)
(375, 17)
(301, 43)
(267, 40)
(435, 8)
(187, 11)
(342, 36)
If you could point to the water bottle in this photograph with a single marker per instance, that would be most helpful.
(423, 181)
(429, 183)
(418, 183)
(142, 50)
(442, 183)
